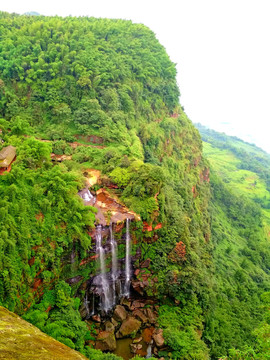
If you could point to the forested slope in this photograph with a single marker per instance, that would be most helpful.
(104, 92)
(240, 235)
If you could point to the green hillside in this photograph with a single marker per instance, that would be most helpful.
(243, 166)
(84, 96)
(240, 233)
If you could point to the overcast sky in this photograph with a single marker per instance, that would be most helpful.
(221, 48)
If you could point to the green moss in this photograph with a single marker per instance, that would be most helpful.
(21, 340)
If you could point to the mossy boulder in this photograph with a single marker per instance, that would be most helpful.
(20, 340)
(130, 326)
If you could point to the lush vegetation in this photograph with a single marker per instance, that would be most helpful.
(240, 236)
(110, 86)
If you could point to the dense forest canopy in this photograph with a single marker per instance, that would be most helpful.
(108, 87)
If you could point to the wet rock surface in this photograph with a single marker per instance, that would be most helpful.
(106, 341)
(120, 313)
(133, 318)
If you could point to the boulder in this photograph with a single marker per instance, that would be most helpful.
(150, 315)
(120, 313)
(109, 326)
(158, 337)
(106, 341)
(129, 326)
(140, 315)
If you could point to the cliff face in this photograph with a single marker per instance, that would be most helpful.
(102, 96)
(104, 92)
(21, 340)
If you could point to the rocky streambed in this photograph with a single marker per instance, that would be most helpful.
(133, 325)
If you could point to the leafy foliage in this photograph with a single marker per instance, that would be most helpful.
(109, 86)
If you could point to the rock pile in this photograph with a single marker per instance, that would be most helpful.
(135, 319)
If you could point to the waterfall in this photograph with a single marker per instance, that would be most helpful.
(87, 196)
(93, 305)
(106, 301)
(86, 305)
(111, 285)
(127, 262)
(114, 251)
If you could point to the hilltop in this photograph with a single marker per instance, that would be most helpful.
(113, 230)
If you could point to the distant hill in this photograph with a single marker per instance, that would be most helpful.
(32, 13)
(244, 166)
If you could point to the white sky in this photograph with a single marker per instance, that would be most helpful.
(221, 48)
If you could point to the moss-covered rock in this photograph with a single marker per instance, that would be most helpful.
(23, 341)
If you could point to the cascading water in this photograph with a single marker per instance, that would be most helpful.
(86, 305)
(127, 262)
(87, 196)
(106, 299)
(114, 251)
(112, 285)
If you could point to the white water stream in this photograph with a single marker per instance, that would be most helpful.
(127, 262)
(114, 251)
(106, 298)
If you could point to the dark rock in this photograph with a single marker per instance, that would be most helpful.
(83, 311)
(138, 286)
(120, 313)
(106, 341)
